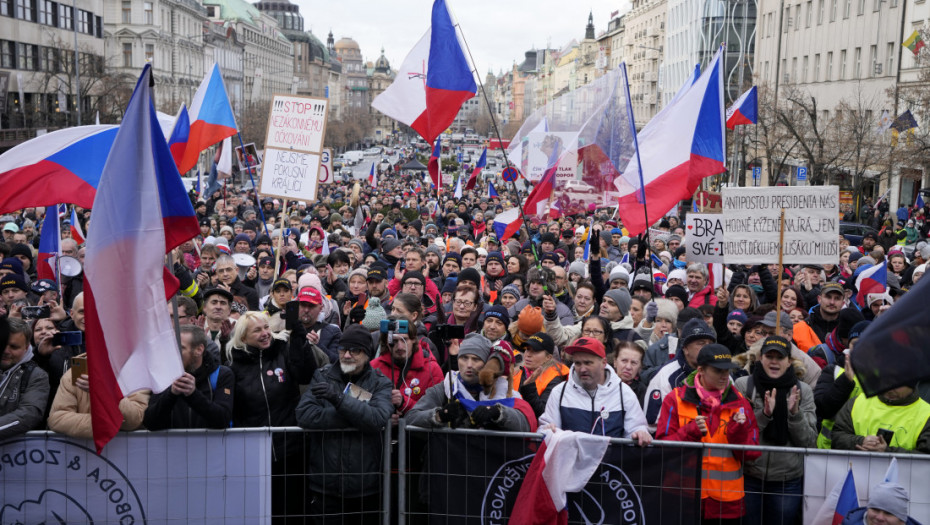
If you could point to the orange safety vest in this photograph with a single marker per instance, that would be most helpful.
(721, 473)
(558, 370)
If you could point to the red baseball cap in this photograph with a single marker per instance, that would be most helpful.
(587, 344)
(310, 295)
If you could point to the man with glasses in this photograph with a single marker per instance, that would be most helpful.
(227, 275)
(348, 395)
(464, 304)
(414, 262)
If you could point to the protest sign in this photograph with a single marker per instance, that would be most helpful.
(326, 167)
(751, 224)
(704, 237)
(293, 147)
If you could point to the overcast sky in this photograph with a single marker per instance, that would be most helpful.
(498, 32)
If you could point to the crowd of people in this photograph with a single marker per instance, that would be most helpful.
(381, 304)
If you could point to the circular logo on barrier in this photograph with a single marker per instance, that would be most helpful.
(510, 174)
(608, 498)
(58, 481)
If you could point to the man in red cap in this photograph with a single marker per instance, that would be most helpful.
(595, 399)
(324, 335)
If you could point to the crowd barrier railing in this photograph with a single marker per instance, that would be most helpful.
(401, 475)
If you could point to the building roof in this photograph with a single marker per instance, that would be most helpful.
(346, 43)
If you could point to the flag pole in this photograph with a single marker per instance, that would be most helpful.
(639, 164)
(248, 167)
(500, 142)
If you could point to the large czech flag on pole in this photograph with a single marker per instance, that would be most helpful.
(434, 166)
(140, 212)
(434, 80)
(678, 148)
(745, 110)
(211, 118)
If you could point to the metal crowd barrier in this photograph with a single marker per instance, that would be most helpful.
(442, 476)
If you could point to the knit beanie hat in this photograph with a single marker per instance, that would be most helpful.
(621, 296)
(450, 285)
(356, 336)
(360, 271)
(847, 319)
(578, 268)
(470, 274)
(498, 312)
(676, 290)
(374, 314)
(530, 320)
(512, 290)
(477, 345)
(620, 273)
(737, 315)
(856, 331)
(668, 311)
(891, 498)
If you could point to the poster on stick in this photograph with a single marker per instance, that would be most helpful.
(704, 237)
(751, 222)
(293, 147)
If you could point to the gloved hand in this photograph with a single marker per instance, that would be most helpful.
(183, 275)
(327, 391)
(652, 310)
(451, 413)
(486, 415)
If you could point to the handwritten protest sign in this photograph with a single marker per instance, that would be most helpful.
(751, 224)
(704, 237)
(293, 147)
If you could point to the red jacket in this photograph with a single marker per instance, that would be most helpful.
(431, 291)
(705, 296)
(422, 372)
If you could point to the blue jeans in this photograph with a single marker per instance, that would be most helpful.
(773, 502)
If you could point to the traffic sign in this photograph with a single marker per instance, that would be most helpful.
(510, 174)
(756, 172)
(802, 173)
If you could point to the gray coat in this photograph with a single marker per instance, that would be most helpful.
(802, 431)
(22, 406)
(423, 413)
(346, 464)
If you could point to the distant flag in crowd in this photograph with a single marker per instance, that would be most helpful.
(418, 188)
(538, 199)
(224, 167)
(492, 191)
(482, 163)
(434, 166)
(130, 341)
(373, 177)
(871, 280)
(587, 240)
(76, 232)
(883, 197)
(891, 474)
(919, 203)
(434, 80)
(324, 250)
(211, 118)
(359, 221)
(458, 187)
(49, 245)
(507, 224)
(678, 148)
(180, 135)
(745, 110)
(914, 42)
(563, 463)
(626, 258)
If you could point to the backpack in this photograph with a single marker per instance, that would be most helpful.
(213, 377)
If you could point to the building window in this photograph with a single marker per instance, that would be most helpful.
(6, 7)
(829, 75)
(843, 65)
(809, 14)
(858, 65)
(803, 78)
(847, 8)
(7, 54)
(816, 68)
(149, 14)
(861, 7)
(150, 54)
(98, 26)
(65, 16)
(82, 21)
(49, 59)
(797, 18)
(26, 56)
(127, 55)
(833, 10)
(25, 11)
(873, 60)
(889, 66)
(127, 12)
(820, 9)
(47, 10)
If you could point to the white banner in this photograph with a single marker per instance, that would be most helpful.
(153, 478)
(751, 224)
(704, 237)
(823, 472)
(291, 175)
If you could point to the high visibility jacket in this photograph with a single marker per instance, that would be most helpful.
(721, 472)
(825, 438)
(557, 370)
(907, 422)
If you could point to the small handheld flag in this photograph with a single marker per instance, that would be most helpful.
(76, 233)
(919, 203)
(373, 177)
(492, 192)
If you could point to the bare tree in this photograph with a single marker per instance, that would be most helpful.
(817, 135)
(770, 139)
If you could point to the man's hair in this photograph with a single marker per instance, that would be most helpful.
(459, 290)
(698, 268)
(210, 249)
(419, 250)
(198, 336)
(18, 326)
(469, 249)
(224, 259)
(188, 304)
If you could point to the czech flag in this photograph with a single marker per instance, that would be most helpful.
(141, 211)
(49, 245)
(373, 177)
(492, 192)
(678, 148)
(211, 118)
(745, 110)
(62, 166)
(437, 80)
(507, 224)
(179, 136)
(418, 188)
(563, 463)
(847, 501)
(482, 163)
(871, 280)
(76, 233)
(434, 166)
(537, 201)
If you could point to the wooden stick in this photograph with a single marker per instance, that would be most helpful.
(781, 251)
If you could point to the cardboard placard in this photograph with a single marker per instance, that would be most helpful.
(704, 237)
(326, 167)
(751, 224)
(294, 147)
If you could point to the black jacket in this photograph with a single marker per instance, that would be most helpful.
(346, 463)
(819, 325)
(205, 408)
(249, 294)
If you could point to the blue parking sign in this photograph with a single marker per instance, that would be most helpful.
(802, 173)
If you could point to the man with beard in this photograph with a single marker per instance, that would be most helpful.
(350, 395)
(202, 397)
